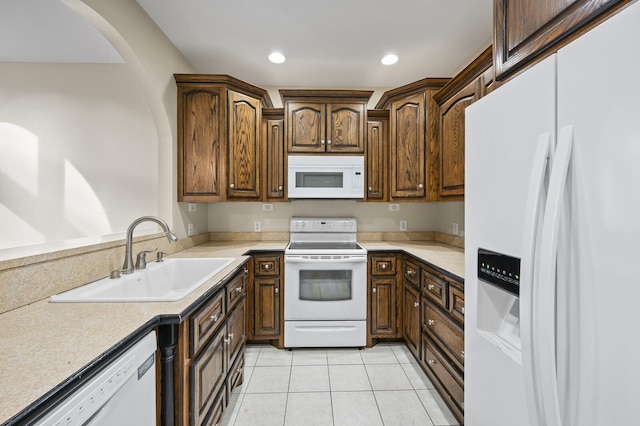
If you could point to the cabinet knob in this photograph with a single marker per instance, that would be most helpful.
(420, 186)
(329, 142)
(266, 266)
(213, 318)
(416, 304)
(231, 186)
(431, 361)
(383, 266)
(280, 188)
(227, 341)
(409, 272)
(431, 322)
(246, 271)
(322, 142)
(239, 289)
(462, 354)
(277, 290)
(230, 336)
(462, 310)
(431, 287)
(371, 189)
(374, 290)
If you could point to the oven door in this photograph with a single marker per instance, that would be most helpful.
(321, 287)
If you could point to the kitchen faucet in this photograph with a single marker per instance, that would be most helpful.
(128, 266)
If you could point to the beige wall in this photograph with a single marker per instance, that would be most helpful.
(372, 217)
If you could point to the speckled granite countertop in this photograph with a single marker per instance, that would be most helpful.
(43, 345)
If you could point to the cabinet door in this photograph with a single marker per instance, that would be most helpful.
(275, 158)
(267, 307)
(207, 376)
(377, 160)
(452, 141)
(383, 307)
(244, 146)
(525, 29)
(408, 145)
(411, 319)
(236, 326)
(306, 126)
(345, 127)
(201, 143)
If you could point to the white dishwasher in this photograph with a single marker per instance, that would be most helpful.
(124, 393)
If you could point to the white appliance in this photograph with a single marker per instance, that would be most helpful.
(552, 210)
(326, 176)
(325, 271)
(124, 393)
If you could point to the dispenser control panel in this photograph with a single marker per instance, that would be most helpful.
(500, 270)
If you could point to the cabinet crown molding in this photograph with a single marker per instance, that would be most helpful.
(410, 89)
(226, 81)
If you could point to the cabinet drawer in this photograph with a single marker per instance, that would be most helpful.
(205, 322)
(456, 303)
(236, 289)
(442, 329)
(383, 265)
(435, 288)
(267, 265)
(207, 376)
(411, 273)
(449, 377)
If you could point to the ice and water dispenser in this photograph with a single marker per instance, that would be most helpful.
(498, 301)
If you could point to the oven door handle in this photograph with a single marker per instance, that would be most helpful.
(300, 259)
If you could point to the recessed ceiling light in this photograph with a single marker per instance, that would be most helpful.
(277, 58)
(389, 59)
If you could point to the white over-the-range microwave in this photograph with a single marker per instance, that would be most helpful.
(326, 176)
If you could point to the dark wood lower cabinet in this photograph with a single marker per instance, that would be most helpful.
(265, 316)
(411, 319)
(210, 355)
(267, 307)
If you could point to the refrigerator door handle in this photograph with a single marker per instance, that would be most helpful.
(533, 210)
(546, 285)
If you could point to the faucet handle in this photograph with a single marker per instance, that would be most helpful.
(160, 256)
(141, 260)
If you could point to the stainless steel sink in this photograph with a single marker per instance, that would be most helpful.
(167, 281)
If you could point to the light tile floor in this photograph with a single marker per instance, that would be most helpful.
(382, 385)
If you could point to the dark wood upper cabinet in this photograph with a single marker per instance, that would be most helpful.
(219, 147)
(244, 146)
(413, 130)
(325, 121)
(274, 158)
(473, 82)
(527, 30)
(377, 155)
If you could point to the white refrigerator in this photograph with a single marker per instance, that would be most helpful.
(552, 211)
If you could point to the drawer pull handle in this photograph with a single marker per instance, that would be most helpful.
(462, 354)
(266, 266)
(409, 272)
(431, 361)
(383, 266)
(431, 322)
(227, 341)
(213, 318)
(239, 289)
(416, 304)
(462, 310)
(246, 271)
(374, 290)
(230, 336)
(431, 287)
(277, 290)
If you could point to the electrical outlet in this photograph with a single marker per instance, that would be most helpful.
(267, 207)
(403, 225)
(257, 226)
(394, 207)
(190, 230)
(192, 207)
(455, 229)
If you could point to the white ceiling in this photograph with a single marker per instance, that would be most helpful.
(328, 43)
